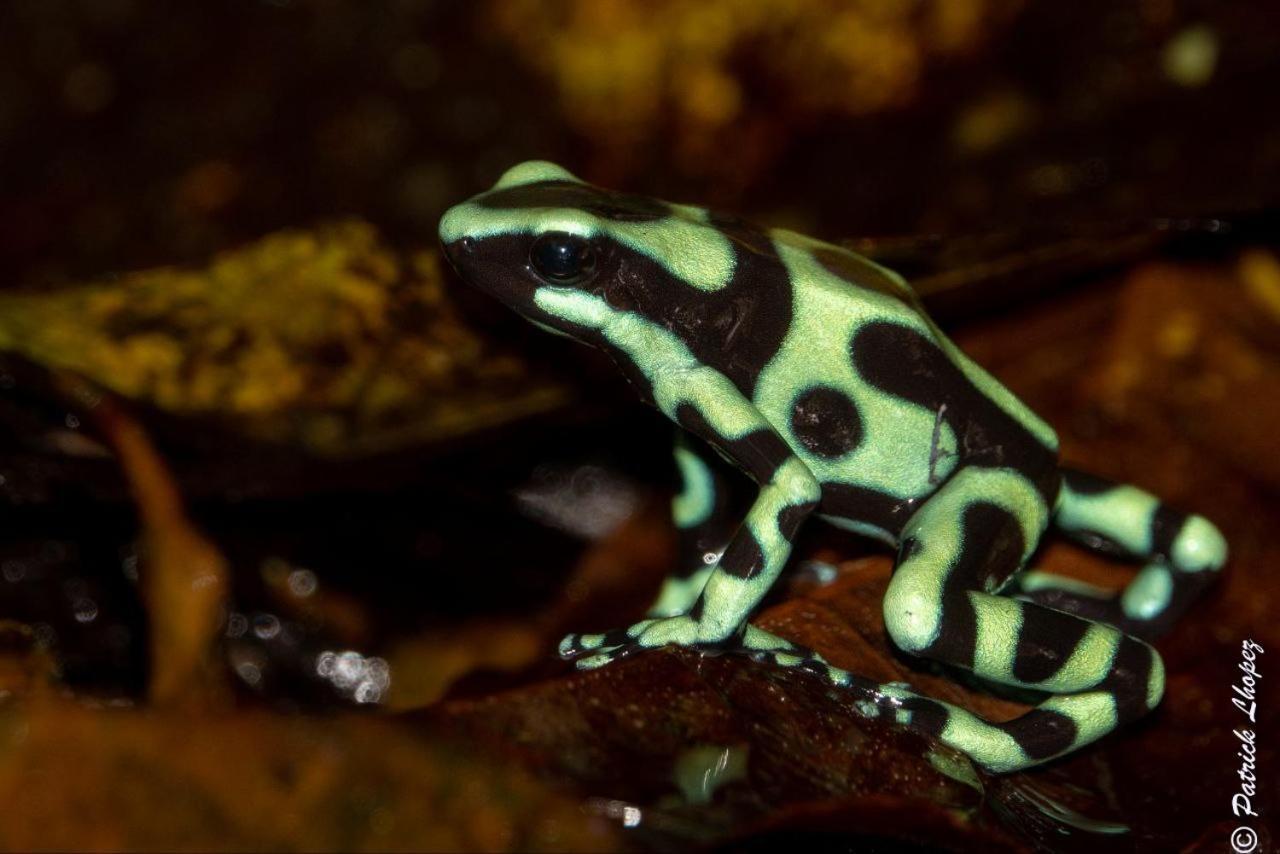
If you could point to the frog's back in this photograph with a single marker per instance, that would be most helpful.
(877, 401)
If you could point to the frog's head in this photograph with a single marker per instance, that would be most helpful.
(567, 255)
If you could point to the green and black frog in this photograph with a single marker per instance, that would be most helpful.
(818, 373)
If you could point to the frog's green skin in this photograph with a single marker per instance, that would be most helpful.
(817, 372)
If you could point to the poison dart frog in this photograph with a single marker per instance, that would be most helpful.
(818, 373)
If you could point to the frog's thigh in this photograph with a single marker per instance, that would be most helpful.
(1181, 555)
(971, 535)
(699, 511)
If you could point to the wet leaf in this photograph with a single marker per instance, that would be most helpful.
(323, 340)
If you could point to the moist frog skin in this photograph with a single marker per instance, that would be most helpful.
(817, 372)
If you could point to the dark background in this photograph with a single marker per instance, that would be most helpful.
(135, 133)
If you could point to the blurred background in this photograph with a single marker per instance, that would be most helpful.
(132, 134)
(290, 520)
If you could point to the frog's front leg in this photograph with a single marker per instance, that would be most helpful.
(755, 554)
(700, 514)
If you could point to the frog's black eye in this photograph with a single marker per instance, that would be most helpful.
(562, 258)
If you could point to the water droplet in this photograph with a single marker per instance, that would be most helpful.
(348, 669)
(249, 672)
(265, 626)
(303, 582)
(237, 625)
(85, 610)
(364, 680)
(13, 571)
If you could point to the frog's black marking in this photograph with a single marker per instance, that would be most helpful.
(503, 267)
(739, 327)
(735, 328)
(850, 501)
(759, 452)
(991, 542)
(617, 207)
(1043, 648)
(929, 716)
(1043, 734)
(1166, 524)
(1083, 483)
(818, 374)
(903, 363)
(697, 608)
(744, 557)
(826, 421)
(1096, 542)
(993, 548)
(859, 274)
(1127, 681)
(748, 237)
(791, 517)
(959, 642)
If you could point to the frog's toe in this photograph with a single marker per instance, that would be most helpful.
(606, 655)
(646, 634)
(579, 645)
(593, 662)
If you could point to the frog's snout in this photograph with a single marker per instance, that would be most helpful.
(453, 229)
(459, 247)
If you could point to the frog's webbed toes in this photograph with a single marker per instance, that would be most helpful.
(592, 651)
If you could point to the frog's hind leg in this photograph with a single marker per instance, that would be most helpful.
(703, 528)
(957, 550)
(999, 747)
(1181, 553)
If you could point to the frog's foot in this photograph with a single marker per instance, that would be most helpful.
(591, 651)
(770, 649)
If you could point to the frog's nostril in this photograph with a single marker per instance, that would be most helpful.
(460, 249)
